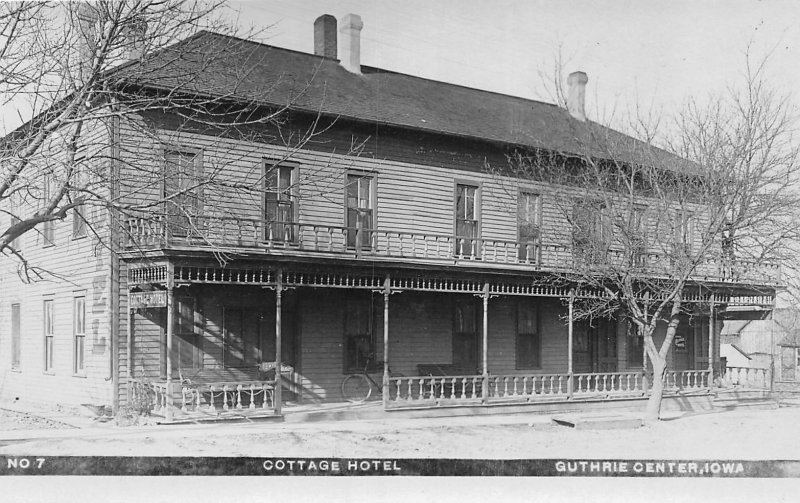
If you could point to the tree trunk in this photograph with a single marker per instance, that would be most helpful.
(653, 410)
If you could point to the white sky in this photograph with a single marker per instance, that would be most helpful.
(637, 53)
(650, 54)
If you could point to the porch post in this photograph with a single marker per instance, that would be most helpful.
(485, 349)
(278, 376)
(129, 345)
(386, 293)
(569, 342)
(170, 330)
(711, 325)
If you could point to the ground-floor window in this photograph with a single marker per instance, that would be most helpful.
(79, 331)
(359, 331)
(15, 336)
(49, 334)
(465, 336)
(528, 335)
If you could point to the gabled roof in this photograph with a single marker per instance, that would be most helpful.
(215, 65)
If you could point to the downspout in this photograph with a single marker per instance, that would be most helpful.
(113, 315)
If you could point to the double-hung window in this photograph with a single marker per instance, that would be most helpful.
(49, 334)
(182, 190)
(591, 233)
(467, 221)
(280, 210)
(684, 234)
(79, 226)
(79, 331)
(529, 226)
(360, 210)
(48, 226)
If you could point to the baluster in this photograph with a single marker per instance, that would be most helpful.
(422, 390)
(183, 399)
(225, 397)
(551, 384)
(211, 405)
(410, 392)
(252, 397)
(516, 381)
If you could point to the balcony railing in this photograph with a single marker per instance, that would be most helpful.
(282, 238)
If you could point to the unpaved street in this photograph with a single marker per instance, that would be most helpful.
(745, 434)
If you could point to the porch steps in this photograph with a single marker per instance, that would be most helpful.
(744, 398)
(599, 421)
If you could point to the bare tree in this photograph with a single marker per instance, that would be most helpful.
(655, 230)
(75, 72)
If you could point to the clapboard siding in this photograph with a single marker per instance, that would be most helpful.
(74, 267)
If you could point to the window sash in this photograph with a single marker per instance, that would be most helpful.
(181, 189)
(49, 333)
(79, 329)
(359, 211)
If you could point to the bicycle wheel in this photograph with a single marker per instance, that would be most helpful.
(356, 388)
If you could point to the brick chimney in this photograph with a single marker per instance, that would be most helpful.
(576, 95)
(350, 43)
(325, 36)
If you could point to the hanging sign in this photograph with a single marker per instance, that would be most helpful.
(144, 300)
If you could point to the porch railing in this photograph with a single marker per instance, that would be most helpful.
(468, 389)
(209, 398)
(751, 377)
(154, 231)
(687, 380)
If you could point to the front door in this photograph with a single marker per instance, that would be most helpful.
(466, 340)
(699, 346)
(594, 347)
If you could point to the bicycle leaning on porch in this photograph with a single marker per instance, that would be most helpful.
(359, 387)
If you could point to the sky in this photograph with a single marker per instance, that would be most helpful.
(641, 56)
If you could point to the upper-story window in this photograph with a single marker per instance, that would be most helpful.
(637, 235)
(79, 226)
(280, 208)
(529, 226)
(359, 210)
(591, 231)
(684, 233)
(48, 226)
(182, 190)
(467, 220)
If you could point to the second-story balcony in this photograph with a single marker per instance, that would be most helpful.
(243, 235)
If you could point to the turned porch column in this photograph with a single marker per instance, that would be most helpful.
(278, 377)
(569, 342)
(386, 292)
(711, 325)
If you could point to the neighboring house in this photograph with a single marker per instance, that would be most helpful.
(404, 247)
(771, 343)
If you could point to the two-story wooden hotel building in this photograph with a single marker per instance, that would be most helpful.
(382, 233)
